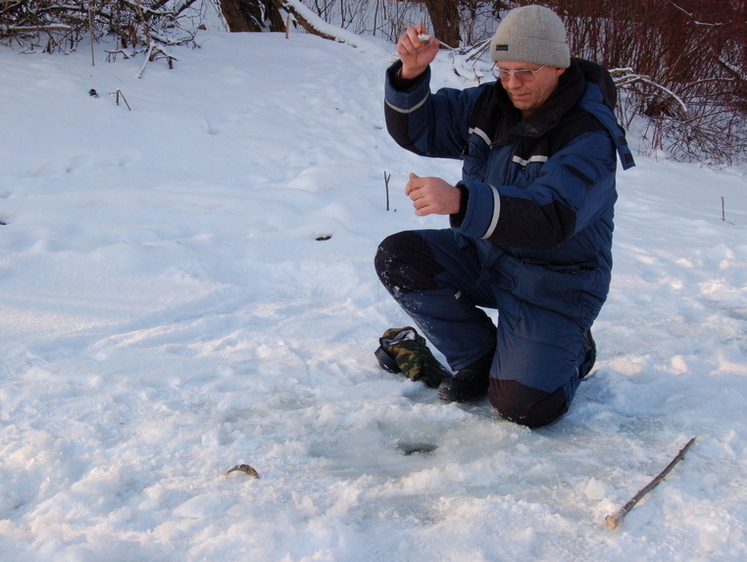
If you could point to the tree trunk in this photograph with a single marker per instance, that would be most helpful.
(252, 15)
(444, 16)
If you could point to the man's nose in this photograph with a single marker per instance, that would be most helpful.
(513, 81)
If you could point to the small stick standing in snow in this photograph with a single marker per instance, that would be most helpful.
(386, 186)
(723, 211)
(90, 31)
(119, 94)
(614, 520)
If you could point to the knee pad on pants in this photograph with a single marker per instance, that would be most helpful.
(405, 264)
(525, 405)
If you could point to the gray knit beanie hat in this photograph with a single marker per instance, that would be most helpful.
(532, 34)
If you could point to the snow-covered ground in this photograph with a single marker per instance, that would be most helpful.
(169, 312)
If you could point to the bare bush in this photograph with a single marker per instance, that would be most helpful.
(687, 62)
(149, 25)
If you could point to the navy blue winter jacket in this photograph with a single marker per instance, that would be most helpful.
(542, 188)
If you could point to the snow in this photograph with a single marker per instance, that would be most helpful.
(168, 313)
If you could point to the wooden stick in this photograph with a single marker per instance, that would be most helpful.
(386, 185)
(614, 520)
(90, 33)
(119, 94)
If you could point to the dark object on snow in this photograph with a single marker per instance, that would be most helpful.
(591, 355)
(403, 350)
(470, 383)
(245, 468)
(409, 448)
(93, 93)
(386, 361)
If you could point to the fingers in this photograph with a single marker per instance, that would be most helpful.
(410, 40)
(412, 185)
(418, 38)
(431, 195)
(416, 189)
(415, 49)
(425, 205)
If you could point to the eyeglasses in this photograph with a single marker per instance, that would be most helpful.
(523, 75)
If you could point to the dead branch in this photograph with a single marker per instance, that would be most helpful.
(147, 10)
(477, 51)
(303, 21)
(387, 177)
(118, 94)
(9, 29)
(613, 521)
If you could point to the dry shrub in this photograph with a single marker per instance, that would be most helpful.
(686, 68)
(31, 25)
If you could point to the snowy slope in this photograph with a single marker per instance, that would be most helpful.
(168, 313)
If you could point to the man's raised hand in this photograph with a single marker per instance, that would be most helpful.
(416, 53)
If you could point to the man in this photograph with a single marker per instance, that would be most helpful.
(531, 219)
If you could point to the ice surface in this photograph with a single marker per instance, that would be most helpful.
(168, 313)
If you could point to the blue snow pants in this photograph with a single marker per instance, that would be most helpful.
(443, 279)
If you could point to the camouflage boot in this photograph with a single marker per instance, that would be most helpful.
(403, 350)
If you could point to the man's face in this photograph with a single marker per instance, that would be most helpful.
(528, 94)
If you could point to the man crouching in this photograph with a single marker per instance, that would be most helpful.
(531, 219)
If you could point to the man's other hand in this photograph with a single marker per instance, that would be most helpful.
(432, 196)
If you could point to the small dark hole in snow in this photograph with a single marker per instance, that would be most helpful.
(412, 448)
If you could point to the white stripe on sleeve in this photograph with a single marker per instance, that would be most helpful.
(496, 213)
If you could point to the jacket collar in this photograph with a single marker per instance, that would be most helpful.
(570, 88)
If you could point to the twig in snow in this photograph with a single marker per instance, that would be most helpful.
(613, 521)
(90, 31)
(148, 56)
(476, 51)
(723, 211)
(386, 186)
(627, 78)
(119, 94)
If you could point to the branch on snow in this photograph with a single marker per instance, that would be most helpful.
(626, 78)
(737, 72)
(317, 26)
(306, 18)
(8, 29)
(147, 10)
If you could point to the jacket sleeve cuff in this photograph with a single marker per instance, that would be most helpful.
(404, 95)
(402, 84)
(457, 218)
(479, 216)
